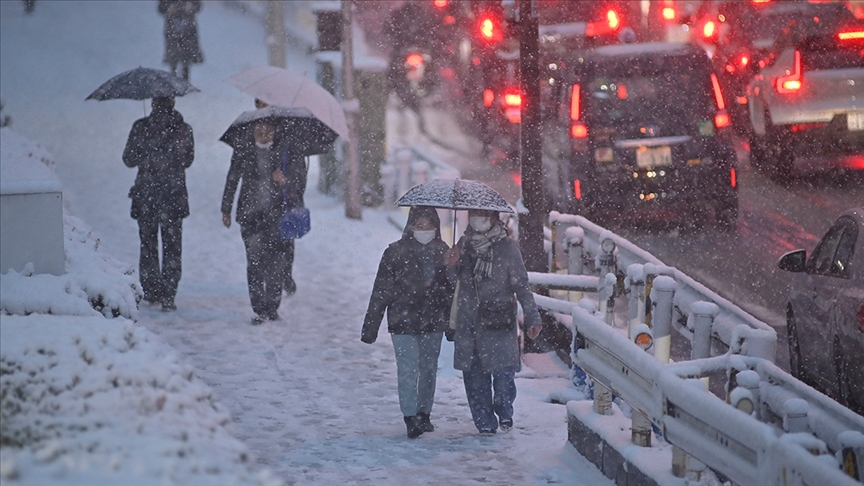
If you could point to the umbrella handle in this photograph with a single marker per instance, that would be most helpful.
(144, 106)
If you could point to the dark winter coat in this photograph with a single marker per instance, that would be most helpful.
(181, 31)
(162, 147)
(490, 303)
(262, 201)
(411, 285)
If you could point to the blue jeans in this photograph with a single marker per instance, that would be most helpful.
(416, 370)
(489, 393)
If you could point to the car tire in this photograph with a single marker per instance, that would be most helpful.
(796, 365)
(780, 157)
(844, 385)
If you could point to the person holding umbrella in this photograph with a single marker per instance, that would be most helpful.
(491, 278)
(257, 162)
(161, 146)
(181, 35)
(413, 287)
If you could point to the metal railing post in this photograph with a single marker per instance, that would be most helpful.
(662, 294)
(640, 429)
(852, 453)
(701, 318)
(749, 380)
(607, 297)
(635, 285)
(573, 238)
(403, 165)
(602, 399)
(795, 416)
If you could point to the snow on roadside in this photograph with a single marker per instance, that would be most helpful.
(89, 400)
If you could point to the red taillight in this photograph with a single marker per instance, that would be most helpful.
(488, 97)
(449, 19)
(578, 130)
(744, 61)
(792, 82)
(575, 100)
(721, 118)
(490, 29)
(440, 3)
(612, 19)
(622, 92)
(708, 30)
(718, 96)
(577, 190)
(851, 35)
(414, 60)
(608, 26)
(668, 13)
(733, 177)
(513, 100)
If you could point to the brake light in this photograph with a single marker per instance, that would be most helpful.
(721, 118)
(733, 177)
(761, 1)
(513, 100)
(440, 3)
(708, 29)
(577, 128)
(612, 19)
(577, 192)
(599, 28)
(622, 92)
(851, 35)
(575, 95)
(744, 61)
(488, 97)
(414, 60)
(490, 30)
(792, 82)
(668, 13)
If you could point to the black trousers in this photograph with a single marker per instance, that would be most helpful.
(160, 281)
(265, 263)
(289, 261)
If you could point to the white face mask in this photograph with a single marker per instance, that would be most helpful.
(481, 224)
(424, 236)
(264, 145)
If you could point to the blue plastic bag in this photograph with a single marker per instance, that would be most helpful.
(295, 223)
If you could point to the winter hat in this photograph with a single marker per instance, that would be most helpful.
(417, 212)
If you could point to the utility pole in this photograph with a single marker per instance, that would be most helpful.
(352, 192)
(276, 39)
(531, 224)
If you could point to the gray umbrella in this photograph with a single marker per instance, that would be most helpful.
(142, 83)
(460, 194)
(296, 127)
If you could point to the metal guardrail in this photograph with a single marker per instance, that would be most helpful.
(408, 166)
(770, 430)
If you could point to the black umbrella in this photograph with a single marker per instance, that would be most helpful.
(142, 83)
(296, 127)
(459, 194)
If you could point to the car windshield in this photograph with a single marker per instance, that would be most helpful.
(629, 99)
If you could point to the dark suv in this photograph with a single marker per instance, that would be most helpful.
(643, 126)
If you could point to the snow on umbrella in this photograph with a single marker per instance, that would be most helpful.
(460, 194)
(142, 83)
(278, 86)
(297, 128)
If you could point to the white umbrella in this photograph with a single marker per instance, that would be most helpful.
(280, 87)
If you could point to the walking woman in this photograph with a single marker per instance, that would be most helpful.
(491, 279)
(413, 287)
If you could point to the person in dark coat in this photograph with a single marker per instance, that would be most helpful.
(260, 205)
(181, 34)
(491, 278)
(413, 287)
(161, 146)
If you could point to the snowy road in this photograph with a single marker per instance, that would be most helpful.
(314, 404)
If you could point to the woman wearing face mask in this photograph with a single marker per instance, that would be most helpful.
(491, 279)
(412, 286)
(259, 207)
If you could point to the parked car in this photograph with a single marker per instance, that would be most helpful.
(825, 313)
(807, 103)
(643, 126)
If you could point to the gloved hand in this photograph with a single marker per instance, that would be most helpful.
(450, 334)
(368, 338)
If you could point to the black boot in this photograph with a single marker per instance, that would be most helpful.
(425, 424)
(413, 425)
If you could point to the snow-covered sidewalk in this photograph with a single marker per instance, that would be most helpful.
(313, 404)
